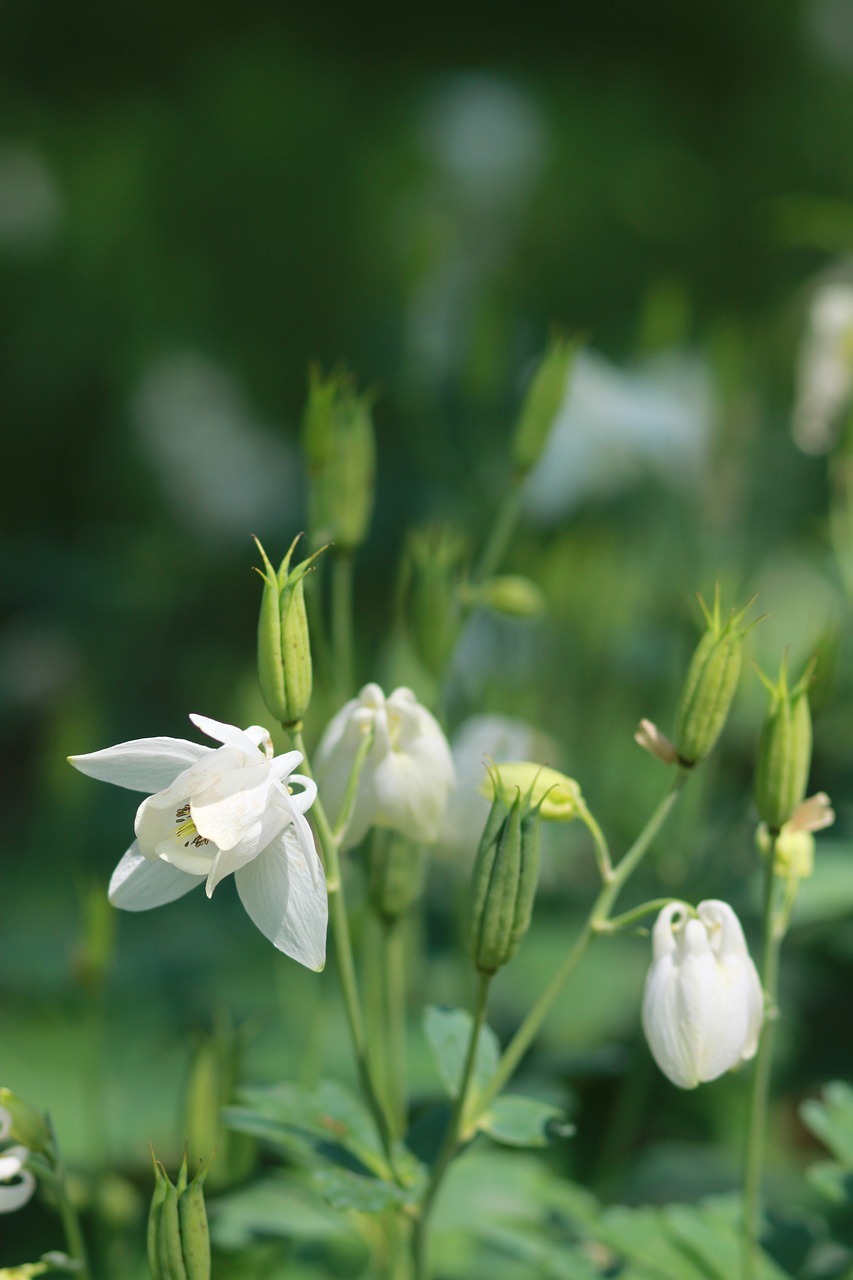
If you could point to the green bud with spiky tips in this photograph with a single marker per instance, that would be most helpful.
(503, 886)
(784, 748)
(710, 685)
(395, 875)
(545, 393)
(431, 584)
(285, 671)
(27, 1125)
(178, 1238)
(195, 1236)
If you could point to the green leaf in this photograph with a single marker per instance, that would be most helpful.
(276, 1208)
(524, 1122)
(343, 1189)
(449, 1032)
(326, 1121)
(831, 1120)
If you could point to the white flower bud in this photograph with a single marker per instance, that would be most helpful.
(407, 775)
(703, 1005)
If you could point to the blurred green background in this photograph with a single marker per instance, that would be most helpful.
(198, 201)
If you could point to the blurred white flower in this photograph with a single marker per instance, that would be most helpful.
(17, 1184)
(218, 811)
(616, 427)
(407, 775)
(824, 368)
(703, 1005)
(30, 202)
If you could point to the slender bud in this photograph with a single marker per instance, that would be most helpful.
(337, 436)
(396, 871)
(710, 685)
(284, 649)
(545, 394)
(432, 569)
(504, 880)
(510, 594)
(784, 749)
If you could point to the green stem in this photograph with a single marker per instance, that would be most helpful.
(602, 852)
(343, 951)
(506, 520)
(453, 1134)
(774, 932)
(342, 636)
(394, 959)
(74, 1241)
(596, 923)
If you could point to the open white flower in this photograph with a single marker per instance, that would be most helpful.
(407, 775)
(214, 812)
(17, 1184)
(703, 1005)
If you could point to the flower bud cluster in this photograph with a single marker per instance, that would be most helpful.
(710, 685)
(337, 436)
(178, 1237)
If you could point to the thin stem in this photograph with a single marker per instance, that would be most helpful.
(529, 1029)
(774, 932)
(342, 636)
(344, 955)
(615, 923)
(602, 852)
(453, 1133)
(394, 959)
(500, 536)
(75, 1243)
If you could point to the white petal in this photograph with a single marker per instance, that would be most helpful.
(287, 900)
(12, 1162)
(245, 740)
(146, 764)
(139, 883)
(231, 811)
(5, 1123)
(16, 1196)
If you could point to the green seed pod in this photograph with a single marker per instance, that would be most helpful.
(170, 1256)
(512, 595)
(503, 886)
(545, 394)
(784, 749)
(284, 650)
(396, 869)
(710, 685)
(337, 436)
(155, 1215)
(195, 1236)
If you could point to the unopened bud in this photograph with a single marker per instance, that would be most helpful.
(178, 1238)
(510, 594)
(556, 796)
(337, 436)
(396, 872)
(504, 881)
(792, 850)
(545, 395)
(710, 685)
(26, 1124)
(784, 749)
(432, 570)
(284, 649)
(650, 738)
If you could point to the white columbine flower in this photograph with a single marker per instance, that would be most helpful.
(703, 1005)
(407, 775)
(215, 811)
(17, 1184)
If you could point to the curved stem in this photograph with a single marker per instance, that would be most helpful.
(529, 1028)
(75, 1243)
(344, 955)
(500, 536)
(453, 1134)
(774, 931)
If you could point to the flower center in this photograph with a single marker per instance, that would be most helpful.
(186, 827)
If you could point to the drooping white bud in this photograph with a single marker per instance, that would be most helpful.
(703, 1004)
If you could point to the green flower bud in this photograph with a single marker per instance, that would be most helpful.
(432, 570)
(504, 880)
(544, 396)
(337, 436)
(396, 871)
(784, 749)
(710, 684)
(178, 1239)
(510, 594)
(794, 855)
(284, 650)
(557, 796)
(28, 1126)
